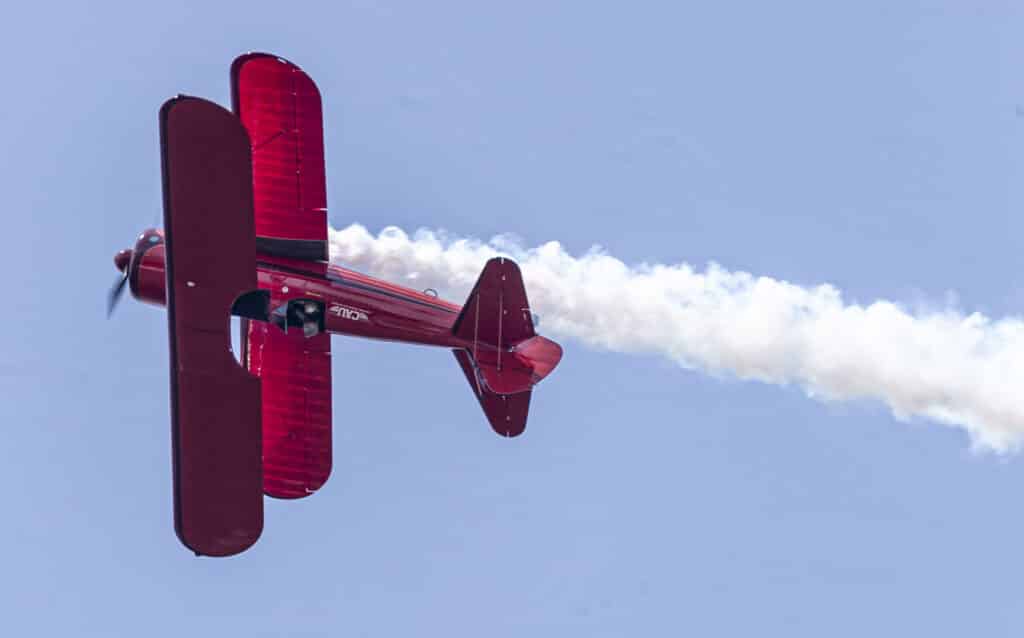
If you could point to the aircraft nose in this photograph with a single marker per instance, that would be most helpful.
(122, 259)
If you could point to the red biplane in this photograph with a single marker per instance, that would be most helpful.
(245, 235)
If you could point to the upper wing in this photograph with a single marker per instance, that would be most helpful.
(211, 261)
(280, 107)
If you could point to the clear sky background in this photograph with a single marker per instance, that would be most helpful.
(877, 146)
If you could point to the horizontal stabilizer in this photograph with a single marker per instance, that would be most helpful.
(506, 413)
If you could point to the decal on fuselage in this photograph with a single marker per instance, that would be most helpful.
(345, 312)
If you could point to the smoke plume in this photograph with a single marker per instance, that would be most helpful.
(955, 369)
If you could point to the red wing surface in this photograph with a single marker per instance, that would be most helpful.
(280, 107)
(296, 376)
(211, 260)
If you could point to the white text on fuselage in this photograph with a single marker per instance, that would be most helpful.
(345, 312)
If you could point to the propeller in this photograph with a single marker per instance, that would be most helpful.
(122, 260)
(115, 293)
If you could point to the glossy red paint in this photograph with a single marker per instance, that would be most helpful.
(246, 228)
(539, 354)
(145, 264)
(122, 259)
(215, 405)
(506, 414)
(358, 305)
(149, 277)
(296, 375)
(280, 107)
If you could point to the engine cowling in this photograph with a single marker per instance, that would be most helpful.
(144, 265)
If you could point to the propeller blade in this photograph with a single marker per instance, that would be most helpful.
(115, 294)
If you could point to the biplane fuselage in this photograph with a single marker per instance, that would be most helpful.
(354, 304)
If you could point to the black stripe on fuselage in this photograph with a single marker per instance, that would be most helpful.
(333, 277)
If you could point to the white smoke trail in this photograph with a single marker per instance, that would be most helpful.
(957, 370)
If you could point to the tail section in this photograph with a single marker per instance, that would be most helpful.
(504, 357)
(506, 412)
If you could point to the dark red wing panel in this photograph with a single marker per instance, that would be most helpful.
(280, 107)
(296, 376)
(211, 260)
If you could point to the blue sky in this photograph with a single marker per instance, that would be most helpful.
(876, 147)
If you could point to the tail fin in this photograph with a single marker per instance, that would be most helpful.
(506, 357)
